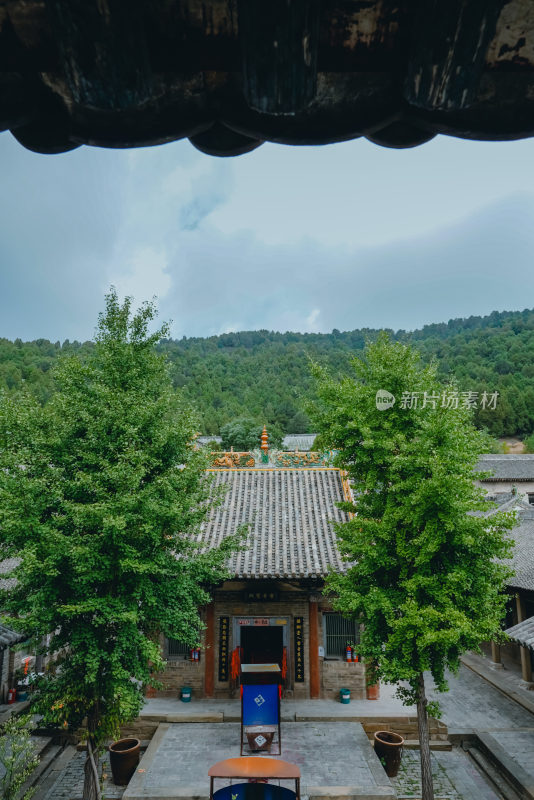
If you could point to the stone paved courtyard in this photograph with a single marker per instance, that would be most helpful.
(455, 777)
(332, 756)
(471, 704)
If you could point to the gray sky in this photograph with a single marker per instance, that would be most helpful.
(346, 236)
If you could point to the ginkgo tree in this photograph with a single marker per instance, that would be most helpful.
(424, 570)
(102, 493)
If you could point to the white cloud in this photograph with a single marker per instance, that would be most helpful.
(311, 320)
(145, 275)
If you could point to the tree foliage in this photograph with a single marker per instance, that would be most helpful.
(17, 758)
(424, 565)
(101, 496)
(265, 375)
(244, 433)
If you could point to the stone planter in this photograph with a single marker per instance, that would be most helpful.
(388, 747)
(124, 758)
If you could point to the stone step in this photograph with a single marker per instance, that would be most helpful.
(435, 744)
(54, 770)
(48, 753)
(493, 775)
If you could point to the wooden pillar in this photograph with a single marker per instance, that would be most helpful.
(315, 685)
(496, 654)
(526, 664)
(209, 651)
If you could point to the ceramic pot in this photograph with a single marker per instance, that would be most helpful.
(124, 758)
(388, 746)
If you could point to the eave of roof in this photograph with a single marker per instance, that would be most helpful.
(513, 467)
(8, 637)
(523, 633)
(232, 75)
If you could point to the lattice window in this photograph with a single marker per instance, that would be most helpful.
(338, 632)
(176, 649)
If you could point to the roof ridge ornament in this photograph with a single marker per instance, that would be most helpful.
(264, 446)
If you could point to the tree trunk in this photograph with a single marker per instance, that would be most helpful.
(91, 783)
(427, 785)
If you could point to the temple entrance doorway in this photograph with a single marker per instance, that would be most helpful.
(262, 645)
(262, 640)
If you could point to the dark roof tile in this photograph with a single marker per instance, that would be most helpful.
(290, 512)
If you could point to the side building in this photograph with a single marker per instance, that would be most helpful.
(507, 475)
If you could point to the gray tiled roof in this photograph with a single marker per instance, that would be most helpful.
(290, 511)
(8, 637)
(203, 440)
(523, 632)
(512, 467)
(6, 566)
(522, 561)
(299, 441)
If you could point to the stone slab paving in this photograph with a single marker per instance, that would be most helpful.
(519, 746)
(171, 709)
(334, 760)
(472, 703)
(69, 785)
(455, 777)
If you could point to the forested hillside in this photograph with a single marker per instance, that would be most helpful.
(266, 376)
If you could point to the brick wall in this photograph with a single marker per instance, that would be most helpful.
(338, 675)
(180, 673)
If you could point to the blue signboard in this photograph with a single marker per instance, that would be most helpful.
(260, 704)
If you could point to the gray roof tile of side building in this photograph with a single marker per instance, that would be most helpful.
(507, 467)
(522, 560)
(8, 637)
(204, 440)
(299, 441)
(523, 633)
(290, 512)
(6, 566)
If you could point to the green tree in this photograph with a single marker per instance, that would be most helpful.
(424, 573)
(101, 495)
(244, 434)
(300, 423)
(17, 758)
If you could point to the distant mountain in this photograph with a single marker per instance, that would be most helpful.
(265, 375)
